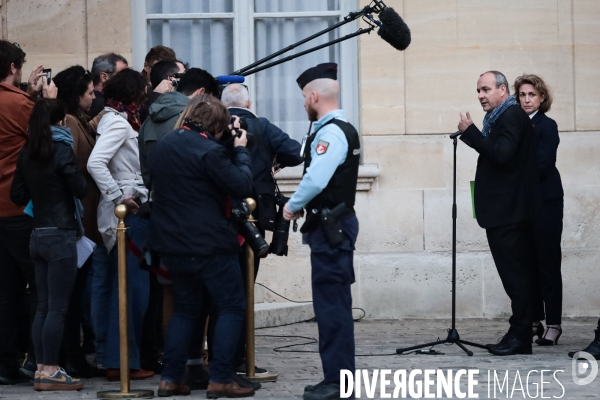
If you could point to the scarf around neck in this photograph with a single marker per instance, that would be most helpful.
(133, 115)
(491, 117)
(62, 134)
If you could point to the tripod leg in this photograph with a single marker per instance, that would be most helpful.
(420, 346)
(473, 344)
(469, 352)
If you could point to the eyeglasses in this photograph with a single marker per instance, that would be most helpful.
(17, 45)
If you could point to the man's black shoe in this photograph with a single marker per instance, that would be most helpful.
(324, 391)
(511, 347)
(243, 383)
(196, 377)
(241, 369)
(593, 348)
(82, 369)
(502, 340)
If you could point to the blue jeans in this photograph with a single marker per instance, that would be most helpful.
(222, 278)
(100, 296)
(106, 309)
(54, 255)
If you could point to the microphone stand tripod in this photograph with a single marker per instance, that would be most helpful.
(453, 336)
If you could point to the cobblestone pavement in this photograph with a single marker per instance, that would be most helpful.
(382, 337)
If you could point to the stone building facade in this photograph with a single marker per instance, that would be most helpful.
(409, 103)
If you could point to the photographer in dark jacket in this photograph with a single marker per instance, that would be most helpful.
(271, 143)
(47, 175)
(193, 176)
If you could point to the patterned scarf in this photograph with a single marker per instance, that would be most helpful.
(491, 117)
(133, 115)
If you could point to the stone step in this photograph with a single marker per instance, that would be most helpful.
(275, 314)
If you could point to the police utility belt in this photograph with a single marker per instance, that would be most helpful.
(330, 220)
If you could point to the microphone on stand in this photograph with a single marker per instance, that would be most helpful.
(393, 29)
(455, 134)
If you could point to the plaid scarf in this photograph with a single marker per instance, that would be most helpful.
(133, 115)
(491, 117)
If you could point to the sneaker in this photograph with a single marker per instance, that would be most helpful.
(36, 380)
(59, 381)
(241, 369)
(28, 368)
(243, 383)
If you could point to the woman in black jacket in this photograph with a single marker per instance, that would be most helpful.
(47, 176)
(535, 98)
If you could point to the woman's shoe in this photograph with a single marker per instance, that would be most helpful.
(59, 381)
(546, 342)
(538, 330)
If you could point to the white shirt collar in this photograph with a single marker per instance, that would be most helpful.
(533, 114)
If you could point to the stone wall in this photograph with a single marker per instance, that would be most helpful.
(61, 33)
(410, 102)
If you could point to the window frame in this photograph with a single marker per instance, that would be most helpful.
(243, 16)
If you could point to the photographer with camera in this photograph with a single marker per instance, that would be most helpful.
(167, 109)
(192, 176)
(271, 143)
(162, 79)
(327, 191)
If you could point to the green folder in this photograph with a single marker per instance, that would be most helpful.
(473, 198)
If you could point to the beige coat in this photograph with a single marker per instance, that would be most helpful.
(115, 166)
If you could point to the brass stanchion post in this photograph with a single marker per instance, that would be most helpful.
(125, 392)
(250, 348)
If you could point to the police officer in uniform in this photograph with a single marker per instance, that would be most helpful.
(327, 192)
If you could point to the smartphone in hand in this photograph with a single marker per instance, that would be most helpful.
(48, 73)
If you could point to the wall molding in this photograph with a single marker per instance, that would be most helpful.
(288, 179)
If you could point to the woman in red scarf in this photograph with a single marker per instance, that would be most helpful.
(114, 164)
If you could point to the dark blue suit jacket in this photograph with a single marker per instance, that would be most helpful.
(547, 140)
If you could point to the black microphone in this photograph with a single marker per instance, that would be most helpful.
(455, 134)
(394, 29)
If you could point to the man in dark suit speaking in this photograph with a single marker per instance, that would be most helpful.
(506, 198)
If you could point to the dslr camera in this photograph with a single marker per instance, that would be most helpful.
(230, 134)
(239, 215)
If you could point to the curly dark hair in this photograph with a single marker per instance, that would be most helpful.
(127, 86)
(10, 53)
(72, 83)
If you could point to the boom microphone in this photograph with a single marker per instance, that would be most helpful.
(225, 79)
(394, 30)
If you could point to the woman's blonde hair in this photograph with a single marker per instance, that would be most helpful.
(207, 111)
(539, 85)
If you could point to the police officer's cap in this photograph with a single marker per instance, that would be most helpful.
(326, 70)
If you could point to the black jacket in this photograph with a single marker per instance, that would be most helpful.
(547, 140)
(192, 177)
(97, 104)
(271, 142)
(51, 187)
(507, 180)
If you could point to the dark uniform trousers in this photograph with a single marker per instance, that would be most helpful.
(546, 277)
(512, 249)
(332, 275)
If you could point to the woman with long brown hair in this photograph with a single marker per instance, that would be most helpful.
(47, 175)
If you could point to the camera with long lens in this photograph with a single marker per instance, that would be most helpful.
(230, 134)
(281, 231)
(239, 215)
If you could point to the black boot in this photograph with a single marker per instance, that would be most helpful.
(593, 348)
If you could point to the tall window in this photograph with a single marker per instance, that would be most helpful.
(222, 36)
